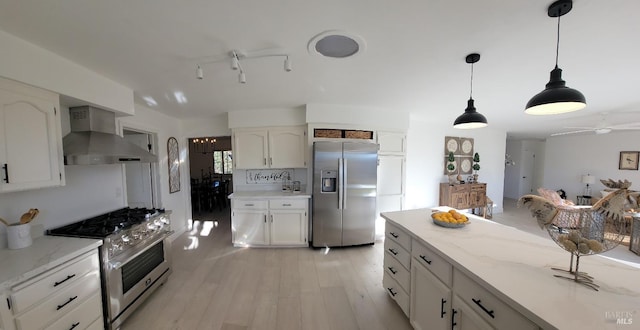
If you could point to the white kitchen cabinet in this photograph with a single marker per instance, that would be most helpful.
(397, 265)
(287, 148)
(65, 297)
(249, 227)
(392, 143)
(430, 300)
(30, 138)
(251, 149)
(270, 148)
(270, 222)
(464, 318)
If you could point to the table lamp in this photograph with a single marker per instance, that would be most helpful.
(588, 179)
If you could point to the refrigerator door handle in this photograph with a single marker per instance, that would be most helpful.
(340, 182)
(344, 183)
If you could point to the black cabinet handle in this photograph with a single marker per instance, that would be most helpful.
(394, 234)
(425, 259)
(6, 172)
(479, 303)
(73, 326)
(453, 318)
(393, 271)
(442, 312)
(394, 252)
(66, 279)
(391, 291)
(65, 304)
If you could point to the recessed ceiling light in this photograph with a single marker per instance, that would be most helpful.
(336, 44)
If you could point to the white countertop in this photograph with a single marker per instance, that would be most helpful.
(267, 194)
(516, 267)
(45, 253)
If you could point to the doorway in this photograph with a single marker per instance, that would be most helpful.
(211, 177)
(141, 178)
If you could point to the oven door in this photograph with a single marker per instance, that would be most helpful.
(136, 273)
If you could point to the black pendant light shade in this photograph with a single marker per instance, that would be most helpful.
(470, 118)
(556, 98)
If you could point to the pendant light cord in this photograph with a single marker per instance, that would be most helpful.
(471, 88)
(558, 41)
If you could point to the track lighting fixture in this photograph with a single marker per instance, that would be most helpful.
(470, 118)
(556, 98)
(236, 63)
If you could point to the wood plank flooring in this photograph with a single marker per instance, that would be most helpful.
(217, 286)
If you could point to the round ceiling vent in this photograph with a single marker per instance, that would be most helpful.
(336, 44)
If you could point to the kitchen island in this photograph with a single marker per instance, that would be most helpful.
(269, 219)
(487, 275)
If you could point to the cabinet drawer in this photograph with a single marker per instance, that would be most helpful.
(488, 306)
(397, 271)
(395, 291)
(249, 204)
(432, 261)
(479, 188)
(60, 303)
(82, 316)
(96, 325)
(288, 204)
(398, 252)
(398, 235)
(52, 281)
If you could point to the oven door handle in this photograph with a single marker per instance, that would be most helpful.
(118, 263)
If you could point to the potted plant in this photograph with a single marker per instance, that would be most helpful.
(476, 166)
(451, 166)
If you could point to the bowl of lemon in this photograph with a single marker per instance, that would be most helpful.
(450, 219)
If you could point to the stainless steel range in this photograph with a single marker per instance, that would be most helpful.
(135, 256)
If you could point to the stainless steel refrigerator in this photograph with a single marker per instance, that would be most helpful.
(344, 193)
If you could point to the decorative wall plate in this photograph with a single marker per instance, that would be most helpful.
(465, 165)
(451, 144)
(466, 146)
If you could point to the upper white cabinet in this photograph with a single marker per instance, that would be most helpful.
(270, 148)
(392, 143)
(30, 138)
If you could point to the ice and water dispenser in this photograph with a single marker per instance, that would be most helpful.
(329, 181)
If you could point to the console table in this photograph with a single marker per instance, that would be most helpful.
(464, 196)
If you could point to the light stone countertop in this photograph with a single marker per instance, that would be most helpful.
(45, 253)
(516, 267)
(268, 194)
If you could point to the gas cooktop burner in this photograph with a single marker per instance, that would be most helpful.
(106, 224)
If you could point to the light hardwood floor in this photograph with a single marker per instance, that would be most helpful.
(217, 286)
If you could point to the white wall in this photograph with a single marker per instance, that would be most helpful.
(567, 158)
(30, 64)
(154, 122)
(425, 161)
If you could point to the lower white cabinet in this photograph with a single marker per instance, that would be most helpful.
(437, 295)
(65, 297)
(269, 222)
(464, 318)
(430, 300)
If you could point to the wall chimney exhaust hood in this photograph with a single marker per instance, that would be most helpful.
(93, 140)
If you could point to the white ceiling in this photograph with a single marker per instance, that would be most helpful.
(414, 58)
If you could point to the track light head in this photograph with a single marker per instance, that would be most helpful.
(287, 64)
(242, 78)
(199, 73)
(234, 60)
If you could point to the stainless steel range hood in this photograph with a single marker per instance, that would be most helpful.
(93, 140)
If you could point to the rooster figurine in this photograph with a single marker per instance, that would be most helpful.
(582, 230)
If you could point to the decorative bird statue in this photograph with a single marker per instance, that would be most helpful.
(582, 230)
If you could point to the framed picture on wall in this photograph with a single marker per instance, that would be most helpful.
(174, 165)
(628, 160)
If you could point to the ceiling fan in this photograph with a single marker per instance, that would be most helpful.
(602, 127)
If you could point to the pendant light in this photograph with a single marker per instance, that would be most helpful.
(471, 118)
(556, 98)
